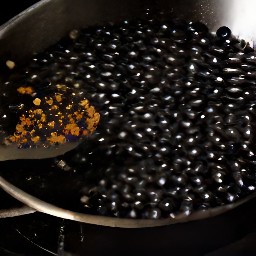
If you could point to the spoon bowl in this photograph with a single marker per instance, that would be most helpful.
(12, 152)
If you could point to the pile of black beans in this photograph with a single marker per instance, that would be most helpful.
(178, 111)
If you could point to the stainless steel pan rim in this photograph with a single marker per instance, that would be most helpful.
(50, 209)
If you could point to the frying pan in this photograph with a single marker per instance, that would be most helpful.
(45, 23)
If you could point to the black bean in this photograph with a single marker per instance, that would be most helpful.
(186, 207)
(237, 82)
(223, 33)
(152, 213)
(197, 180)
(198, 27)
(251, 59)
(168, 204)
(234, 61)
(177, 114)
(232, 71)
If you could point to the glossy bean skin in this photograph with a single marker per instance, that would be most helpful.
(177, 110)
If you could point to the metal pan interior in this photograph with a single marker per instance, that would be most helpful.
(54, 19)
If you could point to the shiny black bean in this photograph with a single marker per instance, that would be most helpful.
(232, 71)
(198, 27)
(223, 33)
(251, 59)
(168, 204)
(177, 108)
(152, 213)
(197, 180)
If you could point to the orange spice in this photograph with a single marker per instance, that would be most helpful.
(37, 101)
(25, 90)
(62, 113)
(56, 139)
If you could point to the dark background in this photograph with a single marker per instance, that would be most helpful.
(230, 234)
(10, 8)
